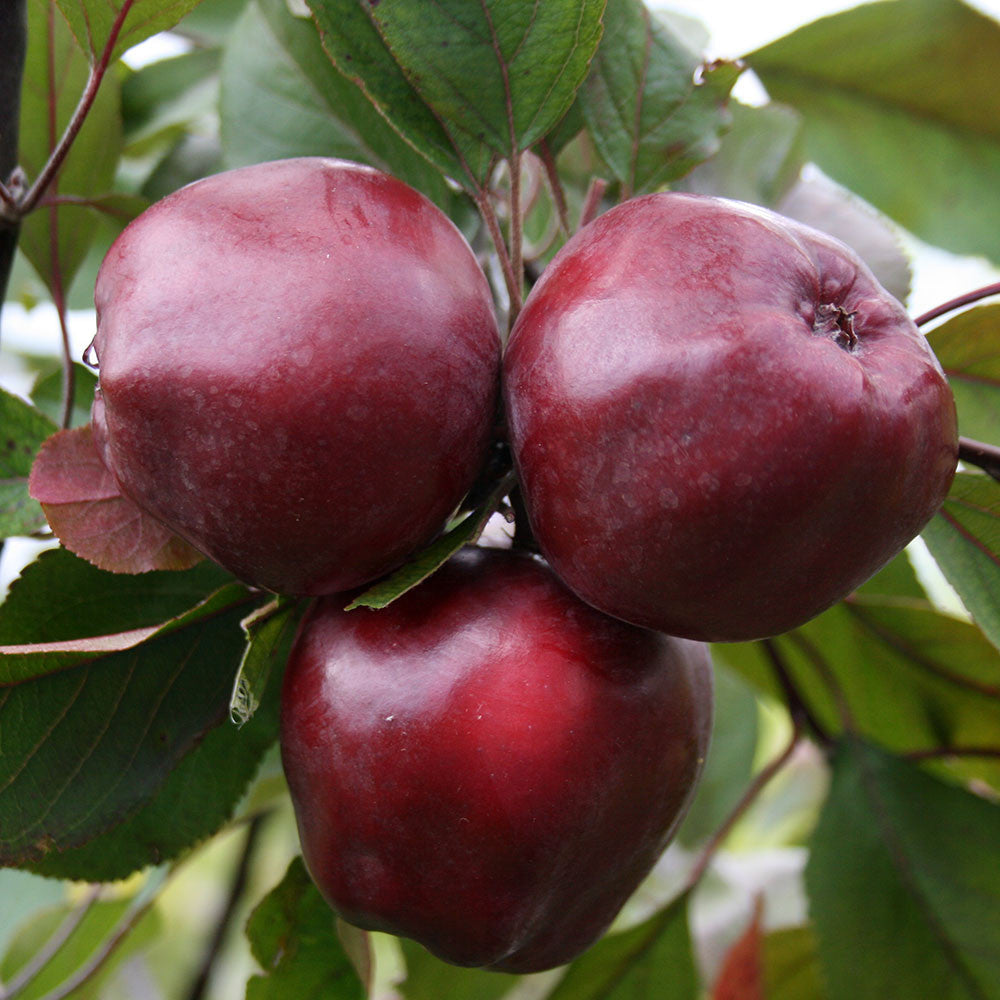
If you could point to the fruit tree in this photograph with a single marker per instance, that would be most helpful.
(497, 500)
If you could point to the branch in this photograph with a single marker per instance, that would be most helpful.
(489, 216)
(592, 201)
(978, 453)
(963, 300)
(761, 779)
(555, 185)
(58, 155)
(13, 45)
(237, 888)
(516, 235)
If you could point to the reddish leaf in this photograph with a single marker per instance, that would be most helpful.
(742, 975)
(91, 517)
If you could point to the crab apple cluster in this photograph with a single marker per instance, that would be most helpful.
(721, 425)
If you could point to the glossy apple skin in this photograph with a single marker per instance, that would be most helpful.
(489, 765)
(299, 367)
(701, 448)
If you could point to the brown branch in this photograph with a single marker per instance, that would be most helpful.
(237, 888)
(760, 781)
(980, 454)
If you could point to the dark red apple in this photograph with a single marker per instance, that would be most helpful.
(298, 370)
(489, 765)
(721, 422)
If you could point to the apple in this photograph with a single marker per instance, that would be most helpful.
(489, 766)
(721, 422)
(299, 368)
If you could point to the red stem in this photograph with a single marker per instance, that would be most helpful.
(963, 300)
(58, 155)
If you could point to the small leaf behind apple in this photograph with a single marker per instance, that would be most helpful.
(89, 515)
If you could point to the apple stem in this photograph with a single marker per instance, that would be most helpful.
(963, 300)
(983, 456)
(760, 781)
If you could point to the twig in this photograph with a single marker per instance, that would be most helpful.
(556, 188)
(489, 216)
(963, 300)
(61, 935)
(237, 888)
(58, 155)
(13, 45)
(516, 235)
(760, 781)
(797, 706)
(592, 200)
(978, 453)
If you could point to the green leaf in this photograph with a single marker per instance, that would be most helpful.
(79, 948)
(269, 632)
(816, 201)
(903, 884)
(649, 115)
(791, 965)
(729, 765)
(502, 71)
(92, 737)
(431, 558)
(964, 538)
(352, 41)
(170, 95)
(940, 675)
(59, 596)
(199, 795)
(758, 159)
(282, 97)
(428, 978)
(24, 430)
(93, 21)
(47, 394)
(651, 960)
(900, 105)
(292, 934)
(56, 238)
(968, 347)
